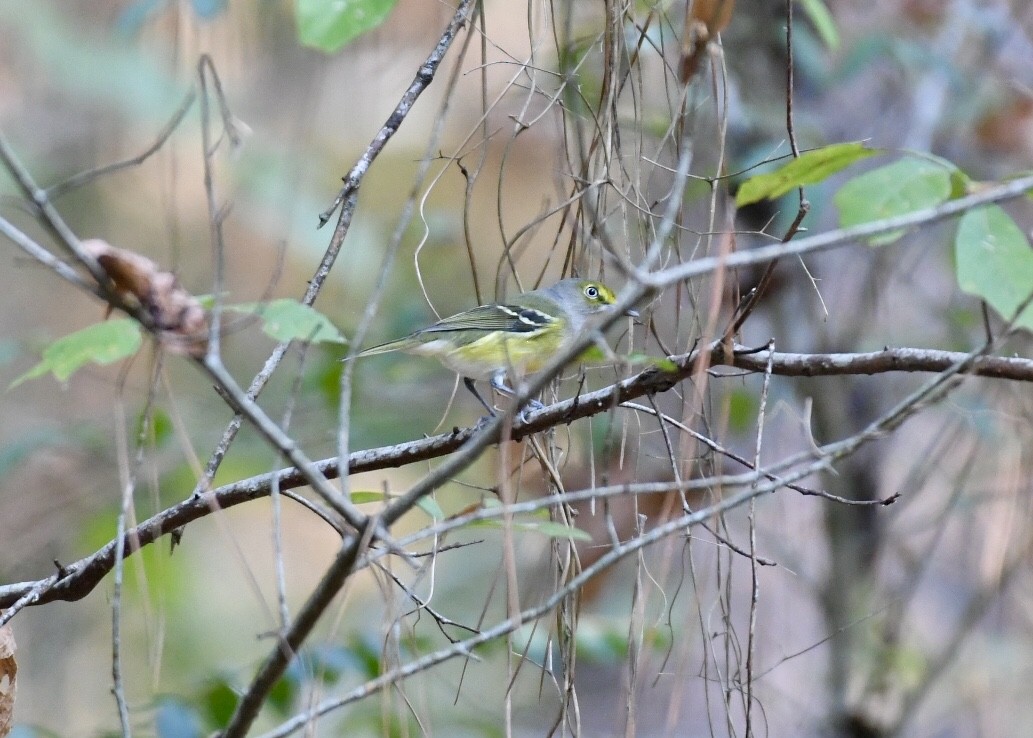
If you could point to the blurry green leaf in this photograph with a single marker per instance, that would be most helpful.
(207, 300)
(159, 426)
(324, 378)
(282, 695)
(899, 188)
(360, 497)
(430, 506)
(328, 25)
(367, 653)
(174, 719)
(600, 645)
(289, 320)
(102, 343)
(606, 641)
(218, 701)
(742, 410)
(556, 530)
(659, 362)
(823, 22)
(995, 262)
(810, 167)
(909, 664)
(593, 355)
(548, 528)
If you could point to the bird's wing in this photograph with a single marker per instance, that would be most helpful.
(509, 318)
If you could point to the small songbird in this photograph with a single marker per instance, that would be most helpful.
(518, 337)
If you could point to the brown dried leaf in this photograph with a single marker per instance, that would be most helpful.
(714, 14)
(8, 679)
(177, 314)
(704, 19)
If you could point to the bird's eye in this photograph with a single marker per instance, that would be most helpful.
(591, 292)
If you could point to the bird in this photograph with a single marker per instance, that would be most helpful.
(518, 337)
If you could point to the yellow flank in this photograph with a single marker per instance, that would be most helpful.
(522, 354)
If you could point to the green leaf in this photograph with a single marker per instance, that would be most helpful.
(159, 426)
(367, 654)
(218, 701)
(328, 25)
(557, 530)
(544, 527)
(899, 188)
(810, 167)
(283, 695)
(659, 362)
(823, 22)
(742, 410)
(430, 506)
(605, 641)
(289, 320)
(103, 343)
(360, 497)
(995, 262)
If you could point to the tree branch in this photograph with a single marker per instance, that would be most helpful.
(80, 578)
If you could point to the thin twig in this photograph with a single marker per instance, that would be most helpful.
(751, 639)
(83, 178)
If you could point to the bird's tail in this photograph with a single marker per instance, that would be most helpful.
(399, 344)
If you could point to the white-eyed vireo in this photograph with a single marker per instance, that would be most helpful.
(516, 338)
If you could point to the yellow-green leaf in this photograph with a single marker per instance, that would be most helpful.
(818, 13)
(543, 527)
(662, 363)
(361, 497)
(328, 25)
(810, 167)
(289, 320)
(428, 504)
(103, 343)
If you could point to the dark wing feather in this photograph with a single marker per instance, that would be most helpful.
(509, 318)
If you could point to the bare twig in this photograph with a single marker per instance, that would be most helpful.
(424, 76)
(83, 178)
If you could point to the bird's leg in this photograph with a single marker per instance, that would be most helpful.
(473, 389)
(498, 383)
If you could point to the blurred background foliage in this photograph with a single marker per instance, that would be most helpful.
(854, 620)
